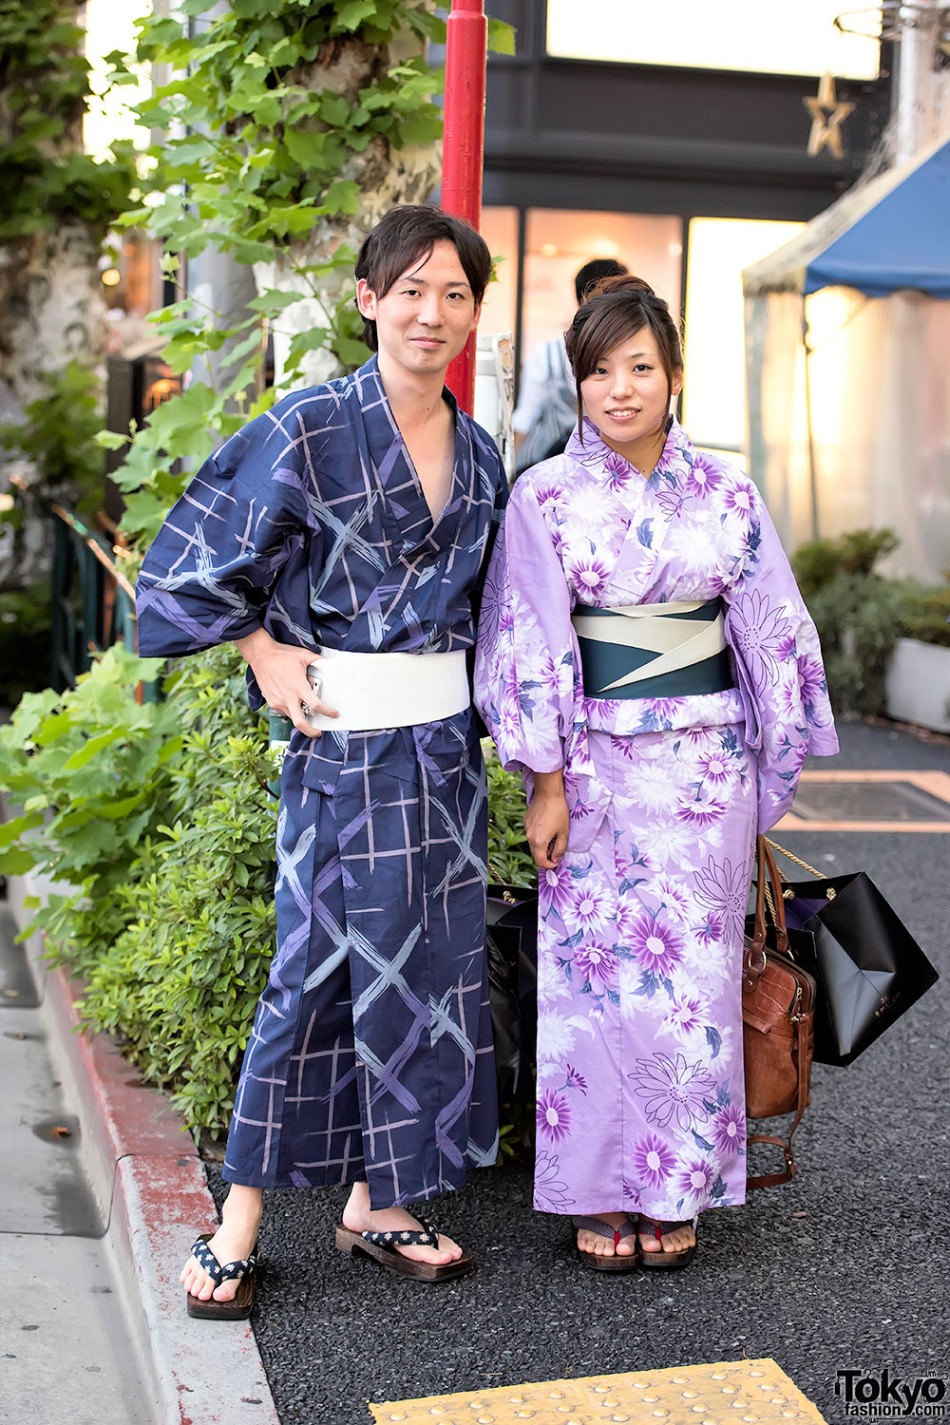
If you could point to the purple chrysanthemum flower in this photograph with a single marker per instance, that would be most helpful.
(596, 962)
(811, 678)
(653, 1161)
(547, 497)
(710, 931)
(658, 947)
(724, 887)
(553, 1115)
(741, 498)
(589, 905)
(703, 480)
(701, 815)
(684, 1014)
(551, 1193)
(588, 574)
(618, 471)
(554, 888)
(661, 711)
(729, 1129)
(673, 1089)
(758, 629)
(696, 1179)
(574, 1079)
(716, 767)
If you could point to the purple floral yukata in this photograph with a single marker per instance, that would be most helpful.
(640, 1103)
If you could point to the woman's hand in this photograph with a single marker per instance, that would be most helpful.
(281, 673)
(547, 822)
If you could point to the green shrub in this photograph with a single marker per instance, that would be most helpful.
(181, 981)
(86, 772)
(509, 859)
(857, 613)
(925, 613)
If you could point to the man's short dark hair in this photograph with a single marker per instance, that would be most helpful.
(407, 234)
(595, 271)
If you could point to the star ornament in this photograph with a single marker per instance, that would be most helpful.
(827, 116)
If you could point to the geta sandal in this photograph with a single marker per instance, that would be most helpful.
(602, 1261)
(383, 1248)
(663, 1260)
(243, 1270)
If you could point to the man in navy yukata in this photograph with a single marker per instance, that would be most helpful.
(345, 533)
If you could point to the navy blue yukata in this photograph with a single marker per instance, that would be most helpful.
(370, 1056)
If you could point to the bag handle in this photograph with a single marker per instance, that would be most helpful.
(768, 886)
(797, 859)
(767, 871)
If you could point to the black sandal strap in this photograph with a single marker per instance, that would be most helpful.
(231, 1271)
(426, 1236)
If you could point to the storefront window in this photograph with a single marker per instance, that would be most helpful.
(748, 35)
(714, 392)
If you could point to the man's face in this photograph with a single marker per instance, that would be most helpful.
(425, 318)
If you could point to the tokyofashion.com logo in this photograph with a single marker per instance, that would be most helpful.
(881, 1396)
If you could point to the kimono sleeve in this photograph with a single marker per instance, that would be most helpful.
(780, 672)
(524, 664)
(208, 574)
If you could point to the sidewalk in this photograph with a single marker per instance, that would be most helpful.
(839, 1270)
(94, 1227)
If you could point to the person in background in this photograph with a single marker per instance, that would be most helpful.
(546, 412)
(646, 661)
(339, 540)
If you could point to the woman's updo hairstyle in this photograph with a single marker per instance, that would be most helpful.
(616, 309)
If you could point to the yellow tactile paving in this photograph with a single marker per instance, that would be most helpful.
(729, 1393)
(935, 784)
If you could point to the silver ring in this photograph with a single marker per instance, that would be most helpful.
(306, 709)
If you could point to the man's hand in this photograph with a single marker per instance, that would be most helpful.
(281, 673)
(548, 822)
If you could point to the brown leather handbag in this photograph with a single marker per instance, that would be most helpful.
(778, 1016)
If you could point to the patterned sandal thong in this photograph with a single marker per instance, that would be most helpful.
(663, 1260)
(602, 1262)
(382, 1247)
(243, 1271)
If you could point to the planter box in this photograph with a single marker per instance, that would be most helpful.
(918, 684)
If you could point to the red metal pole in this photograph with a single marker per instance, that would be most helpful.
(463, 149)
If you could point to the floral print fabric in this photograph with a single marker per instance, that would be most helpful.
(640, 1085)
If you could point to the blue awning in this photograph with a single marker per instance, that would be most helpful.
(886, 235)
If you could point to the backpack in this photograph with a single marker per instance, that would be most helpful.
(558, 417)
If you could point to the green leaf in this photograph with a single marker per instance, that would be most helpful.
(501, 37)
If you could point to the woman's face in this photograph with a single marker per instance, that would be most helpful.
(627, 397)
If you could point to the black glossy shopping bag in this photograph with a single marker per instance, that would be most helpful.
(868, 967)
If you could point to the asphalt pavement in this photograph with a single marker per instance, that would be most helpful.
(842, 1270)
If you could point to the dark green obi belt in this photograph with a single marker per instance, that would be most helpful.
(653, 650)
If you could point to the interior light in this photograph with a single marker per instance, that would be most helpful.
(675, 249)
(605, 247)
(111, 277)
(548, 249)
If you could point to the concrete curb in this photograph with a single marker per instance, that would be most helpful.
(152, 1191)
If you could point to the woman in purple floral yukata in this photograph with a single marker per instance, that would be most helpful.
(646, 661)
